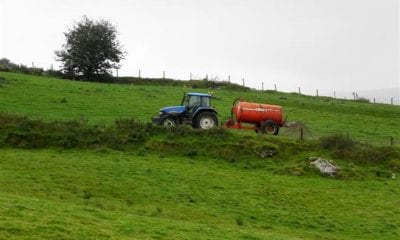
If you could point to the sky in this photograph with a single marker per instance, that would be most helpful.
(330, 45)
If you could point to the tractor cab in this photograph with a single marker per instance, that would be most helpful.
(195, 109)
(194, 101)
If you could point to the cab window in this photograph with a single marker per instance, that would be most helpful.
(193, 101)
(205, 101)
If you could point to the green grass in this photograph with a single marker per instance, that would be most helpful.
(55, 99)
(185, 184)
(153, 197)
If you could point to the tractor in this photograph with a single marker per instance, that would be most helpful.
(195, 110)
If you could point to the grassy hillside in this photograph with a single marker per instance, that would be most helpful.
(126, 180)
(100, 195)
(50, 98)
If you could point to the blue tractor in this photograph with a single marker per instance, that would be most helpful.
(195, 110)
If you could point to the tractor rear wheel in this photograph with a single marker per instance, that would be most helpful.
(206, 120)
(169, 122)
(269, 127)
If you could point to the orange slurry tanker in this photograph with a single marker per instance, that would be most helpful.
(263, 118)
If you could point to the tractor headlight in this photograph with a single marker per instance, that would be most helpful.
(160, 113)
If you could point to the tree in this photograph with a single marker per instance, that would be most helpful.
(91, 50)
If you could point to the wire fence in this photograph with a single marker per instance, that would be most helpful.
(303, 134)
(391, 97)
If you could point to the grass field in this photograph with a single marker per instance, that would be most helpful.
(84, 194)
(50, 98)
(180, 186)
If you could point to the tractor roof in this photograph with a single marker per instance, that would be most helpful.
(199, 94)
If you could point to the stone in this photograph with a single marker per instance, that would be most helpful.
(325, 166)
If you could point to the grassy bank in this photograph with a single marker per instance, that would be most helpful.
(99, 195)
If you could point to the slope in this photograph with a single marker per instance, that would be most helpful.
(50, 98)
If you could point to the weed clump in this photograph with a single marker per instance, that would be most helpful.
(239, 221)
(86, 197)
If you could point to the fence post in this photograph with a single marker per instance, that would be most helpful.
(262, 86)
(243, 81)
(374, 100)
(191, 76)
(299, 91)
(275, 87)
(139, 74)
(334, 94)
(391, 101)
(229, 78)
(301, 134)
(163, 74)
(317, 92)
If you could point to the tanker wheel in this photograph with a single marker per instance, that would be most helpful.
(269, 127)
(168, 122)
(206, 120)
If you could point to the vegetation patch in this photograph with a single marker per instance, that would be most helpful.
(281, 155)
(344, 147)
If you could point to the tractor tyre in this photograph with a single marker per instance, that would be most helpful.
(168, 122)
(269, 127)
(206, 120)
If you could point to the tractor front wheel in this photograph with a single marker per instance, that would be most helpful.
(168, 122)
(269, 127)
(206, 120)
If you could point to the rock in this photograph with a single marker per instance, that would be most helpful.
(267, 153)
(324, 166)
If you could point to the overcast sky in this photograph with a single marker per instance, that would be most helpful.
(342, 45)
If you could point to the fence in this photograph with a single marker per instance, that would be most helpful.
(302, 134)
(392, 98)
